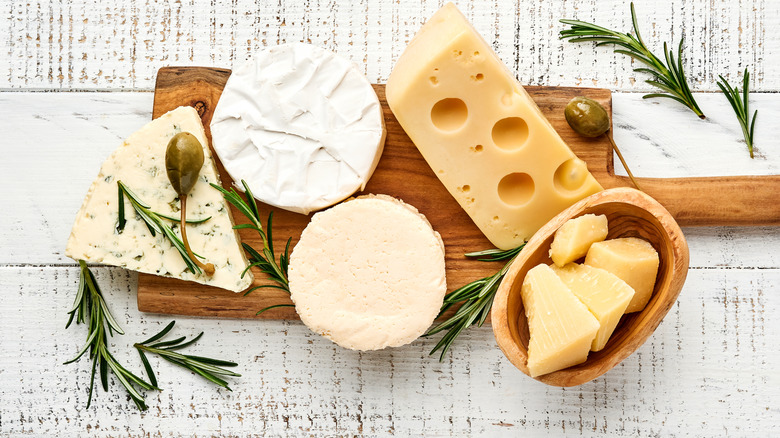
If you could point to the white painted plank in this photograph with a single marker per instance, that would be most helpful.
(710, 369)
(54, 144)
(663, 139)
(114, 44)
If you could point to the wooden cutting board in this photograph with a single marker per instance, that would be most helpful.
(403, 173)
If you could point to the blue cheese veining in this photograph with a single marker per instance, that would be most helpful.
(140, 164)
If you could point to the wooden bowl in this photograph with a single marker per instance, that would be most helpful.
(630, 213)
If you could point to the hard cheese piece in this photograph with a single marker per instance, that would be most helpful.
(481, 133)
(368, 273)
(633, 260)
(561, 327)
(301, 125)
(605, 295)
(573, 239)
(140, 164)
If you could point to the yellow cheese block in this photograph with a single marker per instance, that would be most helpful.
(481, 133)
(633, 260)
(573, 239)
(605, 295)
(561, 327)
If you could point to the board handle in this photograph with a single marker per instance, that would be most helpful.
(709, 201)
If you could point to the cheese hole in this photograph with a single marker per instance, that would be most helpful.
(477, 148)
(480, 76)
(449, 114)
(434, 80)
(510, 133)
(516, 188)
(466, 188)
(570, 175)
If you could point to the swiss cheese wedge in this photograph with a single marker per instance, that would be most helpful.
(140, 164)
(481, 133)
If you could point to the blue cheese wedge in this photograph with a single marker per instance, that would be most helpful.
(368, 273)
(140, 164)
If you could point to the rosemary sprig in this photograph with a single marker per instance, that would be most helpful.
(739, 101)
(265, 259)
(90, 306)
(476, 298)
(154, 222)
(669, 76)
(208, 368)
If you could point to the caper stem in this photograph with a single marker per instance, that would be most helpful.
(622, 160)
(207, 268)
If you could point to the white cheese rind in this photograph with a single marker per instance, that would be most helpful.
(301, 125)
(368, 273)
(140, 164)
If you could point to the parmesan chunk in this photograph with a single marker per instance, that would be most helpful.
(574, 238)
(561, 327)
(632, 259)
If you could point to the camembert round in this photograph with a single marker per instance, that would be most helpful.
(368, 273)
(301, 125)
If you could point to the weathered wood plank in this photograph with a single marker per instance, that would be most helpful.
(660, 138)
(709, 370)
(55, 143)
(119, 45)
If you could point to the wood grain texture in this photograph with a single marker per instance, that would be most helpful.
(120, 45)
(630, 213)
(708, 370)
(402, 173)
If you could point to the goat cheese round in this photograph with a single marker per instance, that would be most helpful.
(301, 125)
(368, 273)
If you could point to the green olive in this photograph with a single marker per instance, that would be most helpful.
(183, 160)
(587, 117)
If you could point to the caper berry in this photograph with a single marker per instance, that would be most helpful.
(587, 117)
(183, 160)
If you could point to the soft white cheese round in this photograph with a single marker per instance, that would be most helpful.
(368, 273)
(301, 125)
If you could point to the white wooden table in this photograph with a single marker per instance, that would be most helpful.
(76, 78)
